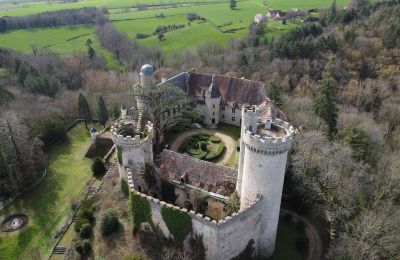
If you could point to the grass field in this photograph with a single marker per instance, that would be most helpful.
(48, 204)
(63, 40)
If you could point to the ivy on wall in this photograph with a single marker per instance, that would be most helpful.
(119, 154)
(140, 209)
(178, 222)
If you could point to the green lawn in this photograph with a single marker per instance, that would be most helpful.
(49, 203)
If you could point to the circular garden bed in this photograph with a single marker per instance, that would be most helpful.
(202, 146)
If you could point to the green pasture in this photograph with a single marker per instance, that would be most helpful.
(302, 4)
(63, 40)
(49, 203)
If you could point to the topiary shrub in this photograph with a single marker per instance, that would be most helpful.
(109, 222)
(85, 231)
(140, 209)
(125, 187)
(216, 153)
(178, 222)
(98, 168)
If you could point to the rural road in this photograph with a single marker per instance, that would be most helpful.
(230, 143)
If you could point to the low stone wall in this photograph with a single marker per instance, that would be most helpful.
(209, 176)
(223, 239)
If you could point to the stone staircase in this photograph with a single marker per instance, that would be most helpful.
(59, 250)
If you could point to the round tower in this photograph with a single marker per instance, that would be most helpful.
(134, 149)
(265, 142)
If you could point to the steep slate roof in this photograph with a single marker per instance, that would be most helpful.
(235, 92)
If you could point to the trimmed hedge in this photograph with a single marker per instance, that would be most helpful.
(216, 153)
(178, 222)
(140, 209)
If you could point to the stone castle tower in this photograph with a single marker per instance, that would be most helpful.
(264, 145)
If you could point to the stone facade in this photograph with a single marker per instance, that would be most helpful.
(266, 138)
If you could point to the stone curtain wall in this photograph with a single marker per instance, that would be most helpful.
(209, 176)
(222, 239)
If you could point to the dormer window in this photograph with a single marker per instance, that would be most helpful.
(233, 111)
(223, 108)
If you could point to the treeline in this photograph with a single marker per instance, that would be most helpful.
(128, 52)
(87, 15)
(45, 72)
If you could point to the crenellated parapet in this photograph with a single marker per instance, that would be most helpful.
(269, 144)
(236, 216)
(135, 141)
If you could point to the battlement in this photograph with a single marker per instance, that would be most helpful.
(129, 140)
(269, 144)
(198, 216)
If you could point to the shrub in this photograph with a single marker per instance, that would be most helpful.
(125, 187)
(98, 167)
(85, 230)
(140, 209)
(178, 222)
(109, 222)
(79, 223)
(83, 247)
(87, 213)
(136, 256)
(51, 130)
(233, 204)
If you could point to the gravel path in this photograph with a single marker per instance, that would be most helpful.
(230, 143)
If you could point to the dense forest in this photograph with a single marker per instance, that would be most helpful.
(336, 77)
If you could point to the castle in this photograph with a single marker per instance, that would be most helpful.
(201, 189)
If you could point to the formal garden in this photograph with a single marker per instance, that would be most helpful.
(203, 146)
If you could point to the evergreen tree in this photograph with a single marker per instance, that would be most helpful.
(334, 7)
(98, 168)
(84, 111)
(273, 93)
(325, 102)
(103, 113)
(232, 4)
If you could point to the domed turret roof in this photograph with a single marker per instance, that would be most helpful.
(146, 70)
